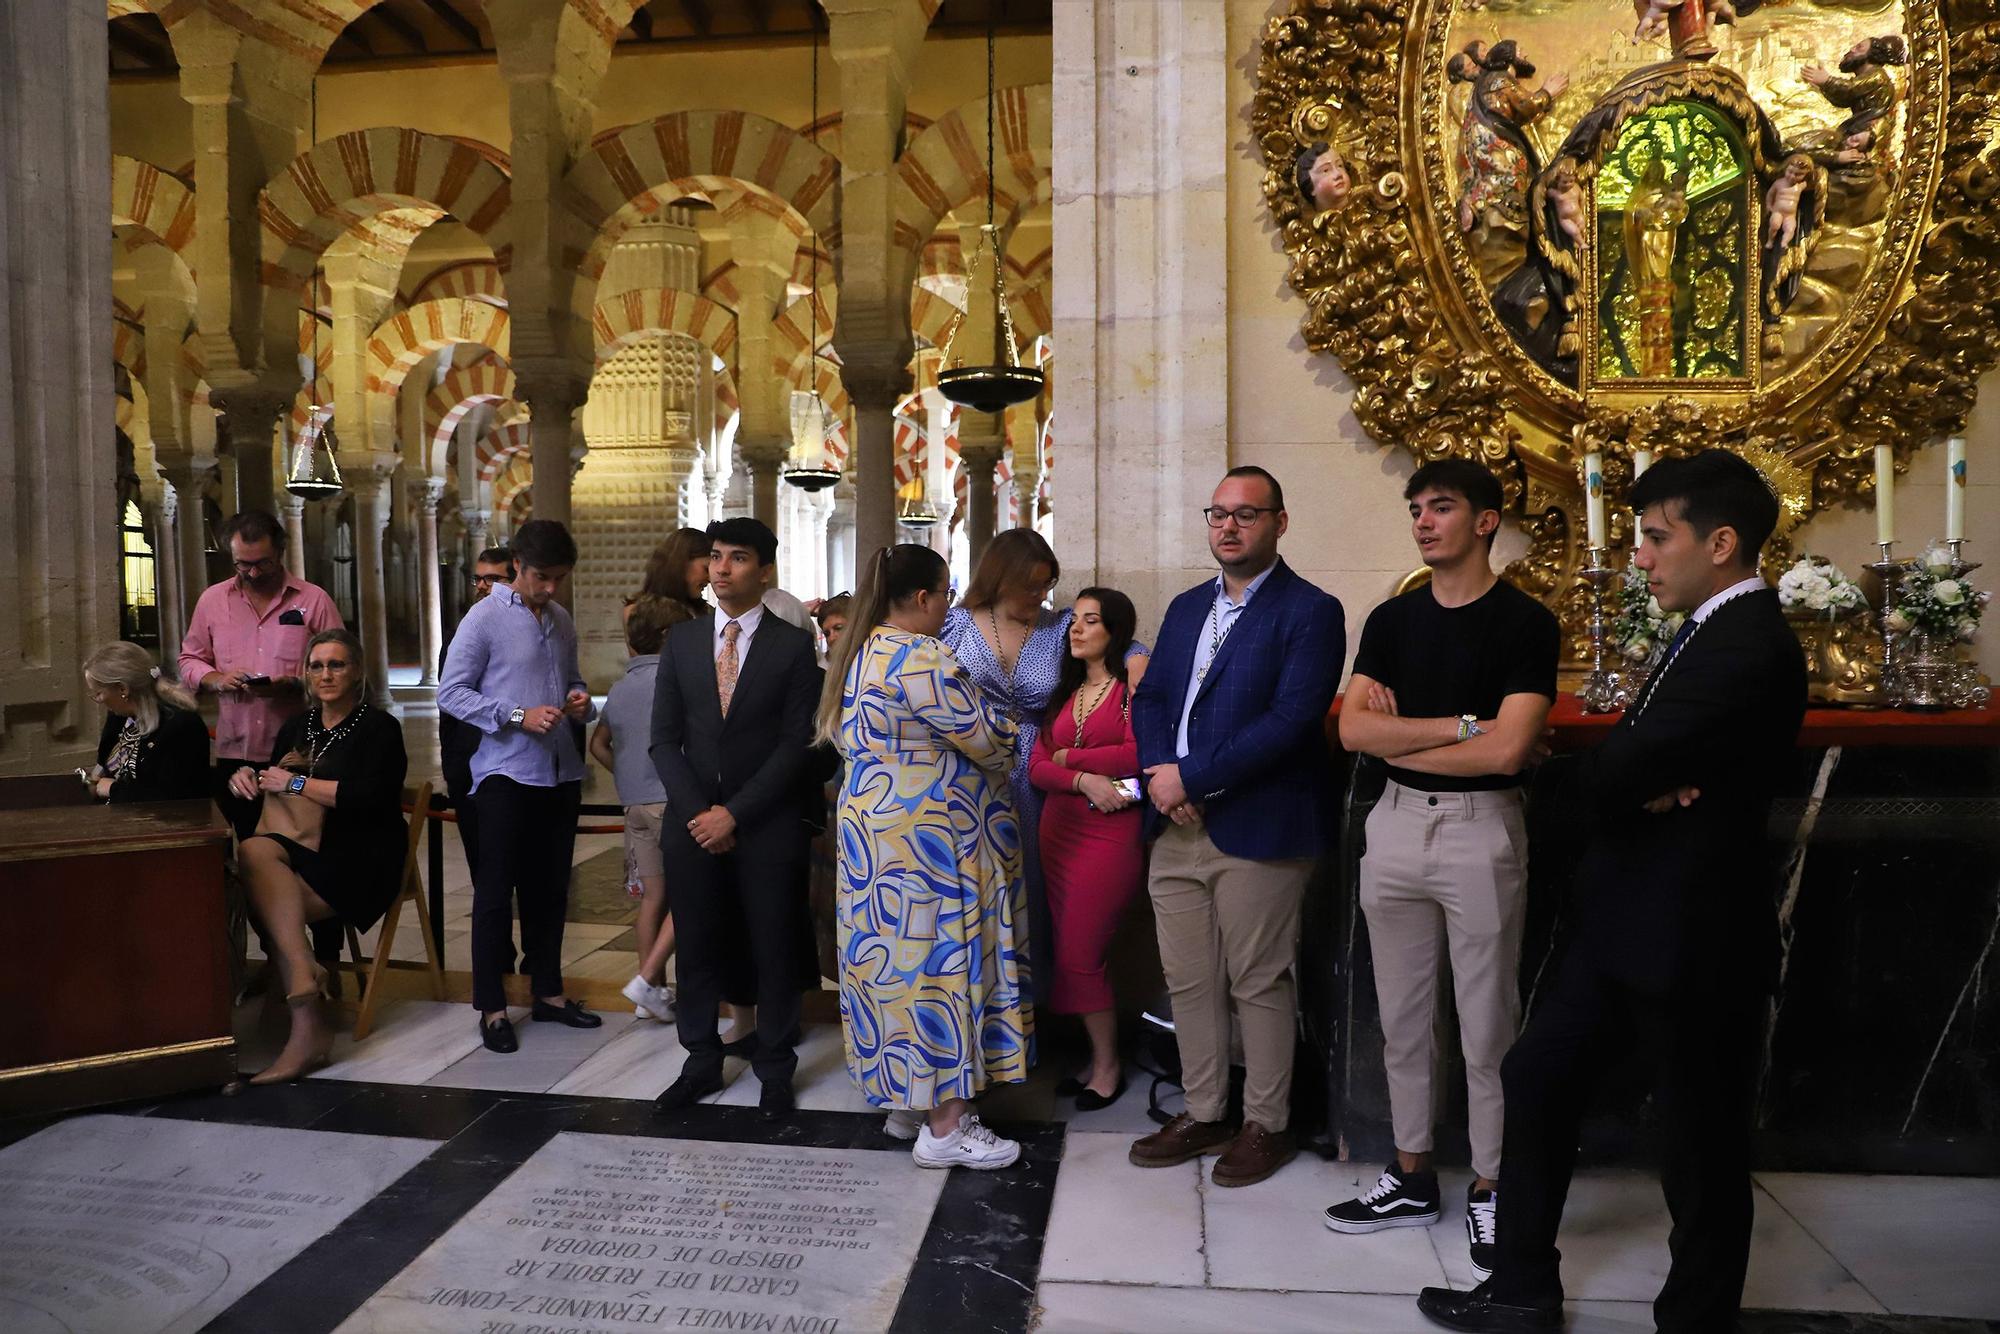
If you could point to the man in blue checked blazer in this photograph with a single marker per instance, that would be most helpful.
(1231, 724)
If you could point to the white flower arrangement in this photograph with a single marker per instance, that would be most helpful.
(1819, 586)
(1930, 598)
(1637, 627)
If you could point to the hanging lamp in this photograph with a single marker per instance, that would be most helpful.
(998, 387)
(312, 472)
(806, 464)
(913, 508)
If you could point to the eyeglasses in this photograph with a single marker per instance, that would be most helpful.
(337, 665)
(255, 566)
(488, 580)
(1246, 516)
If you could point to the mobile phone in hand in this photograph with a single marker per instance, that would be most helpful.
(1128, 788)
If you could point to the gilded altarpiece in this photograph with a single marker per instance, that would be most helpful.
(1532, 227)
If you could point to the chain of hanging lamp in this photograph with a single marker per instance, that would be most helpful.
(313, 472)
(808, 466)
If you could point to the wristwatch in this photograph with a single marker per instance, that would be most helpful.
(297, 785)
(1468, 726)
(517, 717)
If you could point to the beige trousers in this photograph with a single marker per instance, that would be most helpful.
(1229, 933)
(1451, 865)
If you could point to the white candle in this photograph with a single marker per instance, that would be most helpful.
(1885, 494)
(1593, 497)
(1954, 489)
(1642, 459)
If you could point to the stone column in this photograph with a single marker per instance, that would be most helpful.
(250, 416)
(874, 468)
(158, 506)
(55, 382)
(553, 397)
(425, 493)
(982, 500)
(764, 463)
(840, 539)
(369, 486)
(478, 532)
(292, 509)
(189, 477)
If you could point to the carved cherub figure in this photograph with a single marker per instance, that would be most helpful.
(1322, 177)
(1567, 195)
(1781, 202)
(1652, 18)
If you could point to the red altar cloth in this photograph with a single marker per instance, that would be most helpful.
(1576, 730)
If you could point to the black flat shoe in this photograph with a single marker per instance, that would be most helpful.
(743, 1047)
(1090, 1100)
(569, 1012)
(685, 1092)
(1477, 1311)
(499, 1036)
(776, 1100)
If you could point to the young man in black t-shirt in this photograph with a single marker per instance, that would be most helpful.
(1451, 688)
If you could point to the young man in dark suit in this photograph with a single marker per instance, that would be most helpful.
(732, 723)
(1231, 725)
(1673, 943)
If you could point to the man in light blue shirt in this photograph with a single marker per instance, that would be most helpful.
(512, 673)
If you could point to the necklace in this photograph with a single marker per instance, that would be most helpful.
(1000, 646)
(320, 741)
(1079, 712)
(1217, 633)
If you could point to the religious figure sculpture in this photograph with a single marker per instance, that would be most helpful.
(1653, 216)
(1794, 207)
(1689, 24)
(1565, 197)
(1322, 177)
(1495, 158)
(1781, 202)
(1859, 150)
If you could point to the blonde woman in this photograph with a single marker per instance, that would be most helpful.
(930, 907)
(154, 746)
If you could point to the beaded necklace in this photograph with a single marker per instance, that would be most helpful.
(1079, 712)
(319, 741)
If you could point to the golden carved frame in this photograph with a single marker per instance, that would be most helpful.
(1393, 292)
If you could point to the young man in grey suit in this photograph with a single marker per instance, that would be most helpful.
(732, 722)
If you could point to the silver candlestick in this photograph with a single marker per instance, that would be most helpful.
(1890, 570)
(1603, 689)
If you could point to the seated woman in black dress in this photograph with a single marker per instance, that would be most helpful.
(331, 837)
(154, 746)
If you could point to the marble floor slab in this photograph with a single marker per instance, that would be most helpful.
(613, 1232)
(411, 1042)
(1920, 1245)
(1271, 1235)
(820, 1084)
(1100, 1195)
(131, 1225)
(549, 1054)
(639, 1062)
(1097, 1308)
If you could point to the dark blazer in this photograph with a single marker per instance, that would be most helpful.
(1258, 761)
(1687, 898)
(753, 761)
(365, 836)
(173, 759)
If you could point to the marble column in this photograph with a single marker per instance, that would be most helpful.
(292, 509)
(190, 477)
(370, 488)
(425, 493)
(553, 398)
(840, 539)
(55, 382)
(982, 498)
(874, 466)
(158, 507)
(763, 463)
(250, 415)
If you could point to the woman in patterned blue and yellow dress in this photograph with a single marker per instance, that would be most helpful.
(930, 890)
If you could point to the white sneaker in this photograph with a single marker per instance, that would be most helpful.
(649, 1001)
(970, 1144)
(903, 1124)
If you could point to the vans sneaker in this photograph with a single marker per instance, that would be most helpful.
(970, 1144)
(1396, 1201)
(1482, 1208)
(903, 1124)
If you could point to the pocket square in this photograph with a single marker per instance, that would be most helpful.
(292, 617)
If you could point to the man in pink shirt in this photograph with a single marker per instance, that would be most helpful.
(247, 643)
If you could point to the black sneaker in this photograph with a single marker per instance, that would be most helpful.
(1482, 1208)
(1396, 1201)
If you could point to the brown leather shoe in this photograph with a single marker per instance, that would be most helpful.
(1256, 1154)
(1178, 1141)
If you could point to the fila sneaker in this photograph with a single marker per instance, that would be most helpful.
(970, 1144)
(1397, 1200)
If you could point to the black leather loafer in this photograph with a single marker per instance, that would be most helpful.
(776, 1100)
(499, 1036)
(743, 1047)
(1476, 1310)
(685, 1092)
(569, 1012)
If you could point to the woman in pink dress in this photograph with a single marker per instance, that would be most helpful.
(1092, 859)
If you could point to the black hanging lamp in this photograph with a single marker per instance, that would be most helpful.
(998, 387)
(807, 465)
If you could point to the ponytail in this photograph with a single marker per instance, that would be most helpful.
(891, 576)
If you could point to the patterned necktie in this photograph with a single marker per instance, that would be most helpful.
(725, 666)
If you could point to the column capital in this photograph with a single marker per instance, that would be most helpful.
(426, 493)
(557, 389)
(253, 401)
(983, 455)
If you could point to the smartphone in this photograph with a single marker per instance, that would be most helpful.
(1128, 788)
(256, 679)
